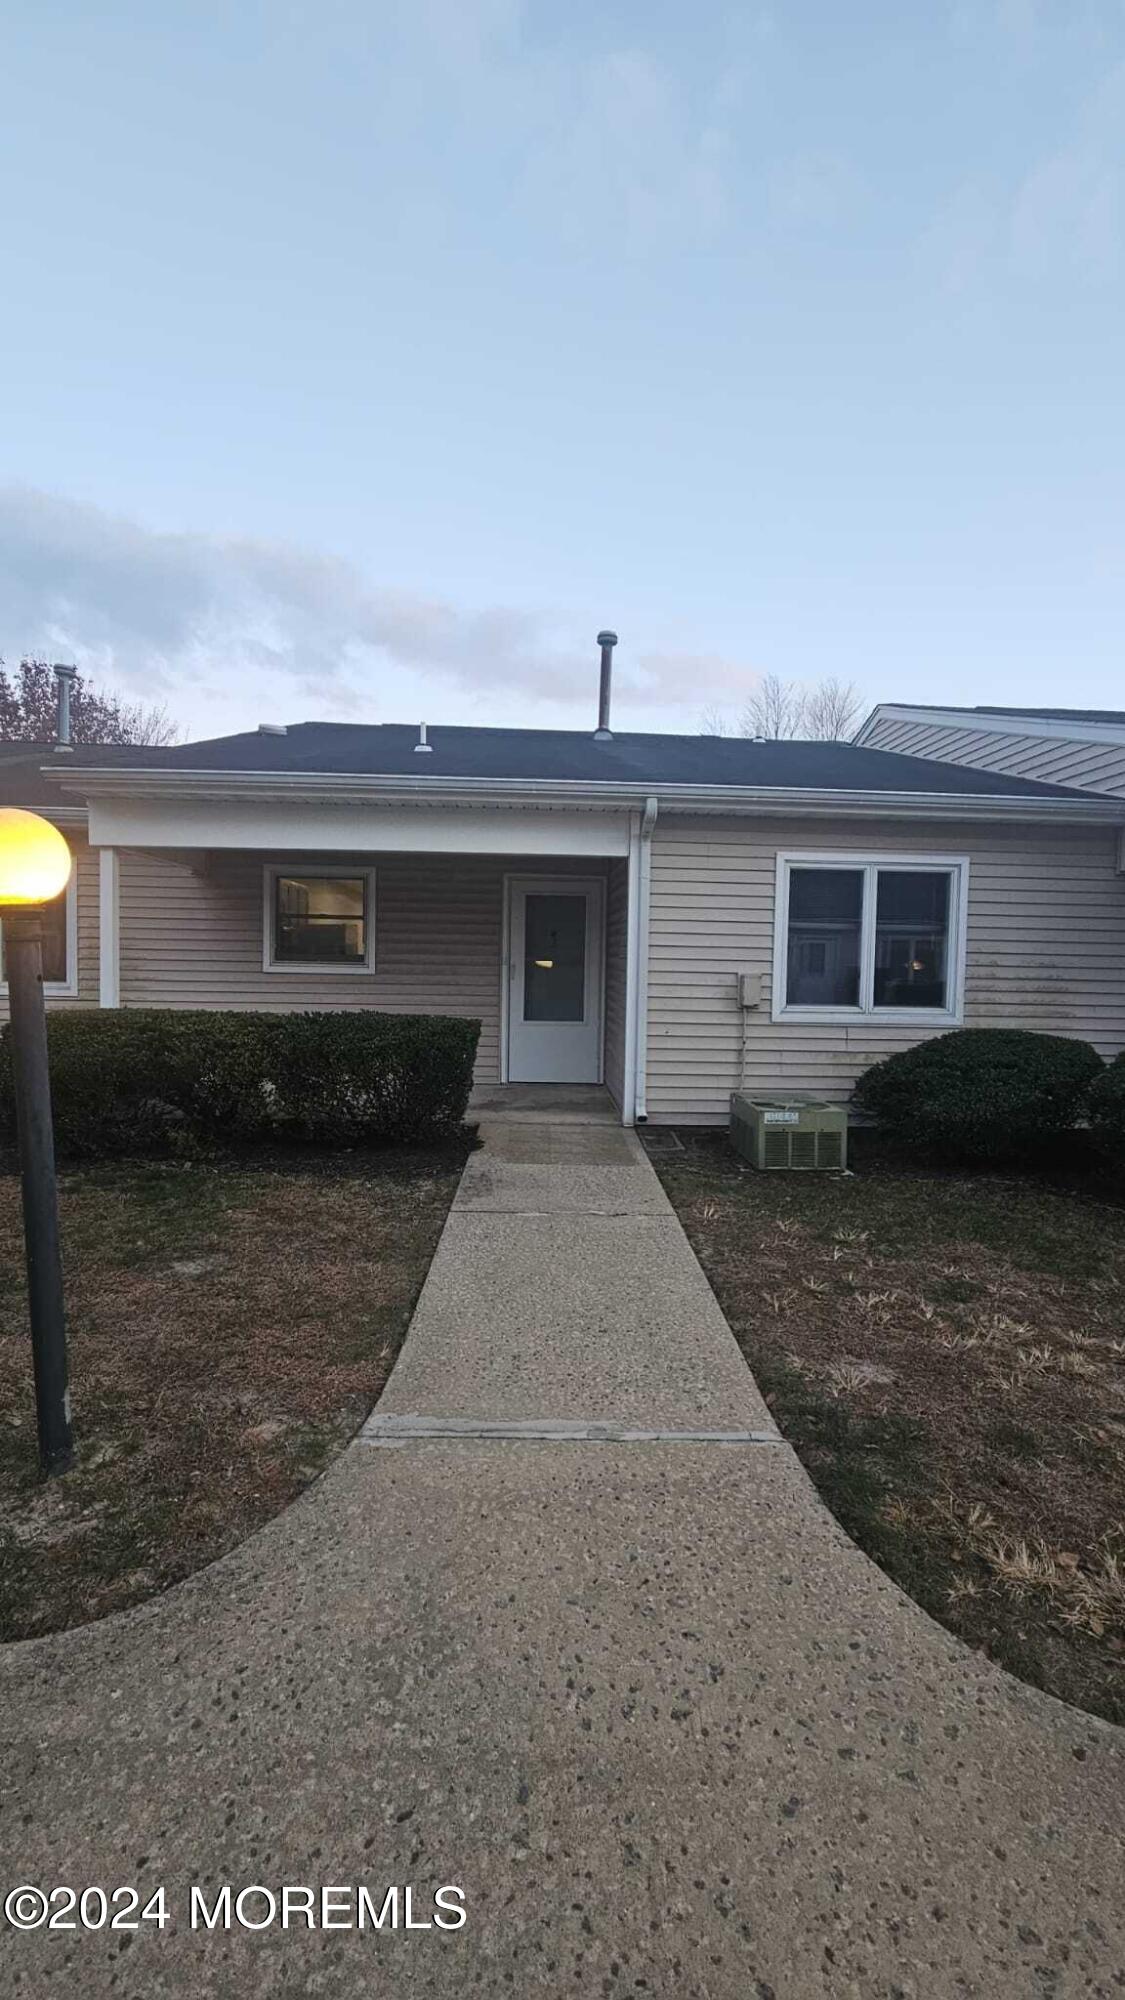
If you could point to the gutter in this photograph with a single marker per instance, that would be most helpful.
(61, 815)
(345, 789)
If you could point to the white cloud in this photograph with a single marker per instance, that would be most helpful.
(594, 143)
(1016, 21)
(1061, 219)
(814, 190)
(1030, 25)
(962, 240)
(1069, 213)
(621, 147)
(227, 628)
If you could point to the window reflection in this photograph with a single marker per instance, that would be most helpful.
(554, 974)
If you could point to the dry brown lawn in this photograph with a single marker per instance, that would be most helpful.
(230, 1328)
(947, 1354)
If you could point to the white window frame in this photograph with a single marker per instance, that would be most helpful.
(359, 968)
(863, 862)
(64, 989)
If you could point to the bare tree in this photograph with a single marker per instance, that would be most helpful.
(826, 712)
(28, 702)
(775, 709)
(713, 722)
(831, 711)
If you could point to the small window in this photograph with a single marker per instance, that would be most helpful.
(869, 937)
(58, 943)
(319, 920)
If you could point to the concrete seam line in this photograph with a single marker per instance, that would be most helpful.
(550, 1214)
(385, 1430)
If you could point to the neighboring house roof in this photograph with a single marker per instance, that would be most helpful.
(997, 708)
(1105, 725)
(1056, 714)
(26, 770)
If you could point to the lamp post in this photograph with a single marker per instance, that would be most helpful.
(35, 865)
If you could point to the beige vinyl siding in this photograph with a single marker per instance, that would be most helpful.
(1046, 950)
(194, 939)
(86, 890)
(616, 906)
(1049, 760)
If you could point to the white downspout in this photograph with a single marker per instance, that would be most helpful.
(632, 894)
(644, 888)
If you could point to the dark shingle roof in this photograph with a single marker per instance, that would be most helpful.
(388, 750)
(23, 768)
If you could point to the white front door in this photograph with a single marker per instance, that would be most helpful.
(554, 979)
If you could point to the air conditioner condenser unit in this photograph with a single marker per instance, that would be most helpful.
(799, 1134)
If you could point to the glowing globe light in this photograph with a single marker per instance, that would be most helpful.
(35, 861)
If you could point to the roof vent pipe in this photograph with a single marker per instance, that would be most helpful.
(65, 678)
(607, 641)
(422, 748)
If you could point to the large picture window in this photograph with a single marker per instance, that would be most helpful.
(319, 919)
(858, 936)
(59, 944)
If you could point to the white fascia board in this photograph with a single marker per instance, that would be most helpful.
(774, 799)
(991, 725)
(541, 794)
(292, 826)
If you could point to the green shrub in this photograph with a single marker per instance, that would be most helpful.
(156, 1079)
(350, 1077)
(980, 1096)
(1106, 1106)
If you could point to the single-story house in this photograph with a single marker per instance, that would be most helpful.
(671, 916)
(1082, 747)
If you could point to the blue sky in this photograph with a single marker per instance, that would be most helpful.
(362, 360)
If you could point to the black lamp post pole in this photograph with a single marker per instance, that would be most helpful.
(23, 961)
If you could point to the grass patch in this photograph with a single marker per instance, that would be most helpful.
(947, 1355)
(231, 1323)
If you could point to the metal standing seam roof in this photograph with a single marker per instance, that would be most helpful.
(1106, 715)
(531, 755)
(1110, 715)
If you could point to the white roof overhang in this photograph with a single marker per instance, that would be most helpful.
(222, 789)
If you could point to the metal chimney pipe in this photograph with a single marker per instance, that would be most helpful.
(65, 678)
(607, 641)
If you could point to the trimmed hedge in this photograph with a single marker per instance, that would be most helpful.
(155, 1078)
(1106, 1106)
(981, 1096)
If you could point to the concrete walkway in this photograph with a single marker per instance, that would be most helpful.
(643, 1701)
